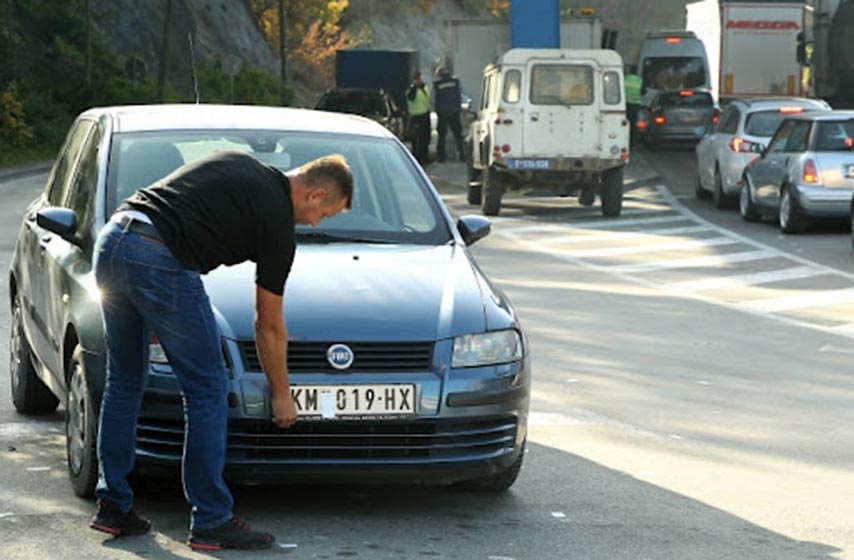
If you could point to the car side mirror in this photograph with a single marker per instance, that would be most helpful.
(473, 228)
(61, 221)
(758, 149)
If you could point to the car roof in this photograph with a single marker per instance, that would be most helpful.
(146, 118)
(772, 102)
(823, 115)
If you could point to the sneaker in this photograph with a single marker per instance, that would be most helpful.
(232, 534)
(111, 519)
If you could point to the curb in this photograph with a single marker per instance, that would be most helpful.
(24, 170)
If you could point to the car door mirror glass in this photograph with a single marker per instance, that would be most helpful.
(61, 221)
(473, 228)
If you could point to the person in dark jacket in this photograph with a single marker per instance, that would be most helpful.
(418, 102)
(447, 99)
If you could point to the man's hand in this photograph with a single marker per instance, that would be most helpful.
(284, 410)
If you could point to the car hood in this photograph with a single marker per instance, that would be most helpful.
(357, 292)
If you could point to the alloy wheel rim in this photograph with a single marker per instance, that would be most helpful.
(76, 420)
(15, 347)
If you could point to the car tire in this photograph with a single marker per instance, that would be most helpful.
(497, 482)
(473, 182)
(722, 200)
(746, 207)
(493, 190)
(611, 192)
(29, 393)
(789, 218)
(81, 429)
(587, 196)
(699, 192)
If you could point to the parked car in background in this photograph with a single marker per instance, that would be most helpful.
(807, 172)
(405, 362)
(374, 104)
(729, 146)
(683, 115)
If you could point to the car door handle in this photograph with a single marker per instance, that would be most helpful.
(43, 242)
(535, 117)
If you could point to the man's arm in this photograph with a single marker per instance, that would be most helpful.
(271, 338)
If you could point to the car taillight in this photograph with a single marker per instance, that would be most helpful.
(716, 117)
(505, 148)
(810, 174)
(640, 124)
(740, 145)
(686, 93)
(673, 40)
(658, 117)
(791, 110)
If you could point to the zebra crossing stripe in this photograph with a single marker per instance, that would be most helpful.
(694, 262)
(615, 235)
(815, 298)
(740, 280)
(649, 247)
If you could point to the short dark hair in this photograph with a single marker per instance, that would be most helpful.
(330, 170)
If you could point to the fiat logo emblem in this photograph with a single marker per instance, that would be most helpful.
(340, 356)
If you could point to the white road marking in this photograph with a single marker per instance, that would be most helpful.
(844, 329)
(618, 223)
(558, 514)
(650, 247)
(814, 298)
(693, 262)
(740, 280)
(616, 235)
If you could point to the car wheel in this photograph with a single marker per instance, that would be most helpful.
(29, 393)
(745, 204)
(699, 192)
(80, 429)
(493, 190)
(722, 200)
(611, 192)
(790, 219)
(498, 482)
(475, 188)
(587, 196)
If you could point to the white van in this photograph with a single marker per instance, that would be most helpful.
(672, 60)
(551, 118)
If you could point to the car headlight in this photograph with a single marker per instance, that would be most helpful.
(497, 347)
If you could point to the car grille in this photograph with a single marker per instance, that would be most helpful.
(375, 357)
(252, 441)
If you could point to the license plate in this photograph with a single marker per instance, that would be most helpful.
(689, 119)
(333, 401)
(848, 170)
(529, 164)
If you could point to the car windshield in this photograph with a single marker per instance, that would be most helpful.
(835, 136)
(674, 72)
(366, 104)
(391, 201)
(699, 99)
(763, 123)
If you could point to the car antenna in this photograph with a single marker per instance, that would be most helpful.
(193, 66)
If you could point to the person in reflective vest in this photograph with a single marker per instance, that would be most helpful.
(418, 102)
(632, 84)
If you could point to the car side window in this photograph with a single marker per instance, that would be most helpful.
(85, 183)
(57, 185)
(781, 137)
(730, 124)
(797, 141)
(512, 86)
(611, 88)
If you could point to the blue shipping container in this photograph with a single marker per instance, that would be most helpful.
(535, 24)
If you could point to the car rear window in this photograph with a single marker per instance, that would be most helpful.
(561, 84)
(835, 136)
(763, 123)
(685, 99)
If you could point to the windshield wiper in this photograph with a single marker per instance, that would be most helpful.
(326, 237)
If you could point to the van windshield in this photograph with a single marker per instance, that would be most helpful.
(561, 84)
(674, 72)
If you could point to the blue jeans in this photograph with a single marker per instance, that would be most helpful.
(144, 289)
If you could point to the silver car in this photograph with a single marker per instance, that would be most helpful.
(678, 116)
(806, 172)
(723, 154)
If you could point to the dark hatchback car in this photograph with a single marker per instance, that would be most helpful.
(375, 104)
(406, 363)
(678, 116)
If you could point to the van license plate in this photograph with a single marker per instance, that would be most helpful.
(529, 164)
(849, 171)
(333, 401)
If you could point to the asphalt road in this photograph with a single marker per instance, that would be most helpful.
(672, 418)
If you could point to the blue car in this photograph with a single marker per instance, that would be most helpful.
(406, 363)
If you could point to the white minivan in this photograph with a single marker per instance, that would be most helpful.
(550, 118)
(672, 60)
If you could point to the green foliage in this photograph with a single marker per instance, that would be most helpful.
(249, 86)
(14, 130)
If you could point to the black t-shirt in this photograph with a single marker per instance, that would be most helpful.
(224, 209)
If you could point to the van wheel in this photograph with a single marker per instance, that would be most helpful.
(80, 429)
(493, 190)
(29, 393)
(611, 192)
(498, 482)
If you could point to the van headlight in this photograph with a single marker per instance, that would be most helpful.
(482, 349)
